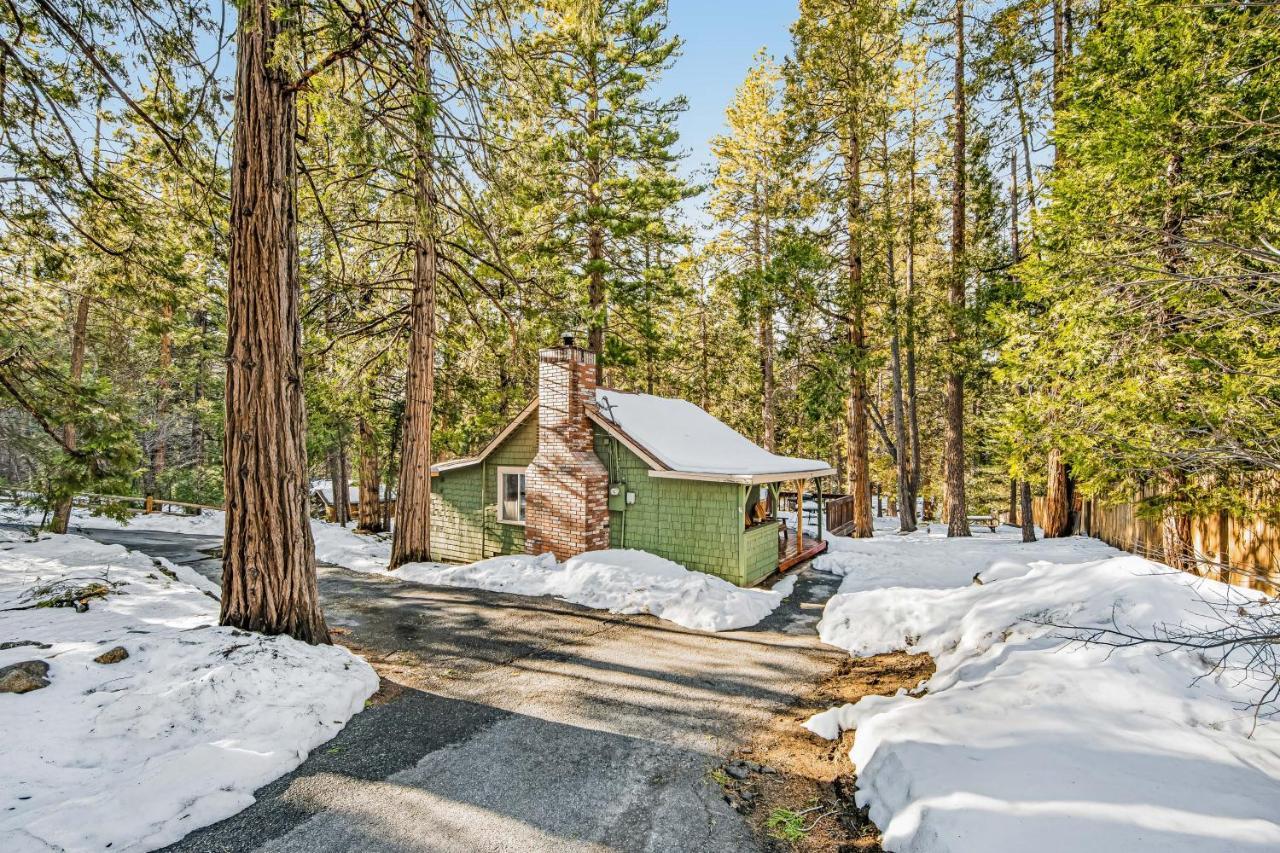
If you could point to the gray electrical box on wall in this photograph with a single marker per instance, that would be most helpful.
(618, 497)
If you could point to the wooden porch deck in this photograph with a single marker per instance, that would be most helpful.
(809, 548)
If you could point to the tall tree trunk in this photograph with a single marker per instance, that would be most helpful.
(411, 541)
(369, 510)
(1057, 498)
(596, 299)
(334, 470)
(913, 415)
(1028, 522)
(79, 340)
(197, 392)
(268, 567)
(705, 366)
(906, 495)
(953, 439)
(859, 463)
(768, 384)
(342, 489)
(1015, 250)
(1024, 133)
(164, 363)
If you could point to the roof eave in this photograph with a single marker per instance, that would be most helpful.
(455, 464)
(744, 479)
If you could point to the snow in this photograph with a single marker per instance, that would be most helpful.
(207, 523)
(1024, 740)
(617, 580)
(621, 581)
(342, 546)
(685, 438)
(325, 488)
(137, 754)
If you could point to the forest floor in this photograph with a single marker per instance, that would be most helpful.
(513, 723)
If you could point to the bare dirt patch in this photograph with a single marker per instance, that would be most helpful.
(796, 789)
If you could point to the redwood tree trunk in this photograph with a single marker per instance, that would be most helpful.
(1057, 512)
(859, 463)
(412, 530)
(369, 510)
(268, 568)
(953, 438)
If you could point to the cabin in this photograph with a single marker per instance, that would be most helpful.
(583, 468)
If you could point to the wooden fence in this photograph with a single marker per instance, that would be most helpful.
(148, 504)
(1232, 549)
(839, 513)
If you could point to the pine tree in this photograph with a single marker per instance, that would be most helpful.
(843, 58)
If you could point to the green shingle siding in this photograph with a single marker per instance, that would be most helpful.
(695, 523)
(457, 516)
(759, 553)
(517, 451)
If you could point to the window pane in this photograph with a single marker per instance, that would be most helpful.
(511, 504)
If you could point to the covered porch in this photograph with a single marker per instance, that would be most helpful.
(799, 514)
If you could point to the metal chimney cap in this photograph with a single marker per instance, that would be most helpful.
(568, 338)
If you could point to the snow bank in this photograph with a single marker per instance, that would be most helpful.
(207, 523)
(618, 580)
(621, 581)
(335, 544)
(342, 546)
(1026, 742)
(134, 755)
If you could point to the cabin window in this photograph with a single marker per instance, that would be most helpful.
(760, 505)
(511, 497)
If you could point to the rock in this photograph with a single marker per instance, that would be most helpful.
(13, 644)
(115, 655)
(737, 771)
(753, 766)
(23, 677)
(765, 768)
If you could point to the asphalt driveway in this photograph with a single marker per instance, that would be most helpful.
(508, 723)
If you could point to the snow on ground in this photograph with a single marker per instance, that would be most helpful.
(136, 754)
(207, 523)
(342, 546)
(1024, 741)
(620, 581)
(617, 580)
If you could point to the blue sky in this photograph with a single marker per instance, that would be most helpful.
(721, 38)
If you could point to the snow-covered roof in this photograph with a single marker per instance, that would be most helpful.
(689, 441)
(678, 439)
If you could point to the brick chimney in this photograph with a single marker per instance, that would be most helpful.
(566, 485)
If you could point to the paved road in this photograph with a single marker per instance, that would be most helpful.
(509, 723)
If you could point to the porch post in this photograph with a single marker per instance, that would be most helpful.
(819, 482)
(799, 516)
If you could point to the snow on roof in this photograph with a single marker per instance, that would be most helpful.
(687, 439)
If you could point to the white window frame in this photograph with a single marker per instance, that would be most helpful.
(504, 471)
